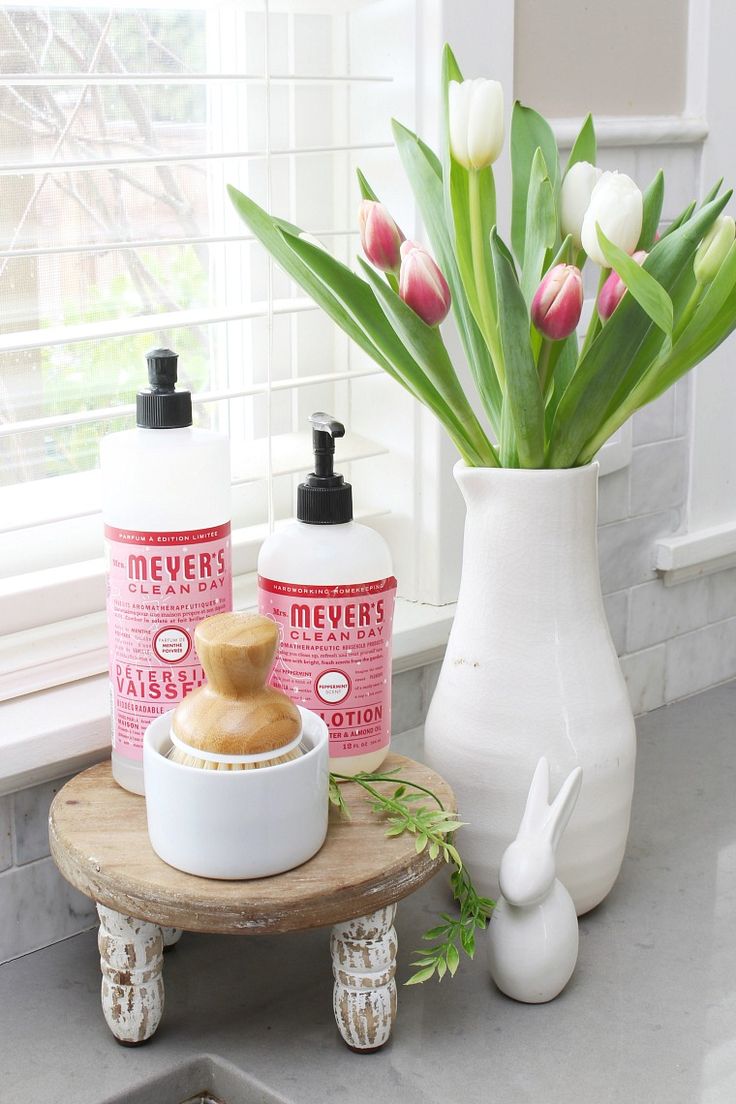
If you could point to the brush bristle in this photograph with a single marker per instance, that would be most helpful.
(178, 756)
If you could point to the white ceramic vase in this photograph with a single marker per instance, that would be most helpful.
(531, 671)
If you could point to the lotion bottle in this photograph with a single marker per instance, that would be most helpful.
(328, 583)
(166, 508)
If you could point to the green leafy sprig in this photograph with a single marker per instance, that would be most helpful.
(454, 933)
(431, 828)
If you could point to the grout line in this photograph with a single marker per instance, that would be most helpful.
(24, 865)
(694, 693)
(43, 946)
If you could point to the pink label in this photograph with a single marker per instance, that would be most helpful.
(335, 656)
(159, 587)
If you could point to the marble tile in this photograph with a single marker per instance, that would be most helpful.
(31, 813)
(38, 907)
(657, 612)
(656, 422)
(645, 678)
(407, 709)
(613, 496)
(429, 682)
(700, 659)
(659, 475)
(617, 612)
(722, 602)
(626, 549)
(682, 391)
(6, 832)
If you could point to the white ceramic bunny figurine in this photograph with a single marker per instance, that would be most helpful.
(533, 933)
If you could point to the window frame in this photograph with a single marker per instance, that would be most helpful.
(62, 721)
(65, 642)
(53, 618)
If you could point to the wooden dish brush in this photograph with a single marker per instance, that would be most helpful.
(235, 721)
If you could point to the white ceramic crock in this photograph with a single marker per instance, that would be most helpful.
(530, 671)
(237, 824)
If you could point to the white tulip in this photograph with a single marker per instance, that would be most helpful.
(616, 206)
(476, 122)
(577, 188)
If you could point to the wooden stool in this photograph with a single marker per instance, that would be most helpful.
(99, 842)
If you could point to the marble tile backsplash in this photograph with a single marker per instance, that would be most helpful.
(673, 641)
(37, 906)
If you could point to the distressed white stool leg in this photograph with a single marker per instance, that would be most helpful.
(364, 964)
(171, 937)
(132, 986)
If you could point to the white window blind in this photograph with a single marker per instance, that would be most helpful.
(119, 129)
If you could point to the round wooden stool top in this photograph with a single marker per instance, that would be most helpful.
(99, 841)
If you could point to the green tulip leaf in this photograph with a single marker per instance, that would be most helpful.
(529, 131)
(541, 226)
(428, 349)
(584, 406)
(652, 202)
(585, 146)
(366, 192)
(712, 193)
(349, 302)
(563, 363)
(563, 254)
(268, 230)
(645, 289)
(682, 218)
(712, 322)
(652, 345)
(522, 381)
(360, 301)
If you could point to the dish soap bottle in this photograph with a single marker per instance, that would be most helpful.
(166, 507)
(328, 583)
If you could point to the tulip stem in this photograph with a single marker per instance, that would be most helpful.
(688, 311)
(483, 291)
(543, 363)
(595, 321)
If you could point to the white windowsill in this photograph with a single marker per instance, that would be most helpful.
(635, 130)
(702, 552)
(65, 728)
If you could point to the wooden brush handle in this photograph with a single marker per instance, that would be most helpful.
(235, 713)
(237, 651)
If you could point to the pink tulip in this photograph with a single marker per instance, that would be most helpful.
(558, 302)
(380, 236)
(614, 288)
(422, 286)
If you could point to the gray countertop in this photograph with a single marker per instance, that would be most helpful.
(649, 1016)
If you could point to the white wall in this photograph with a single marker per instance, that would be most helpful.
(623, 58)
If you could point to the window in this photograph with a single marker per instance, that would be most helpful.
(120, 128)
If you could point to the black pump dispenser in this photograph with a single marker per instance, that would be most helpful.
(161, 407)
(324, 498)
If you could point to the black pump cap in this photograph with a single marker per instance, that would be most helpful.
(324, 498)
(161, 407)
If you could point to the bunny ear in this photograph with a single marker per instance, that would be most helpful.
(537, 802)
(562, 807)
